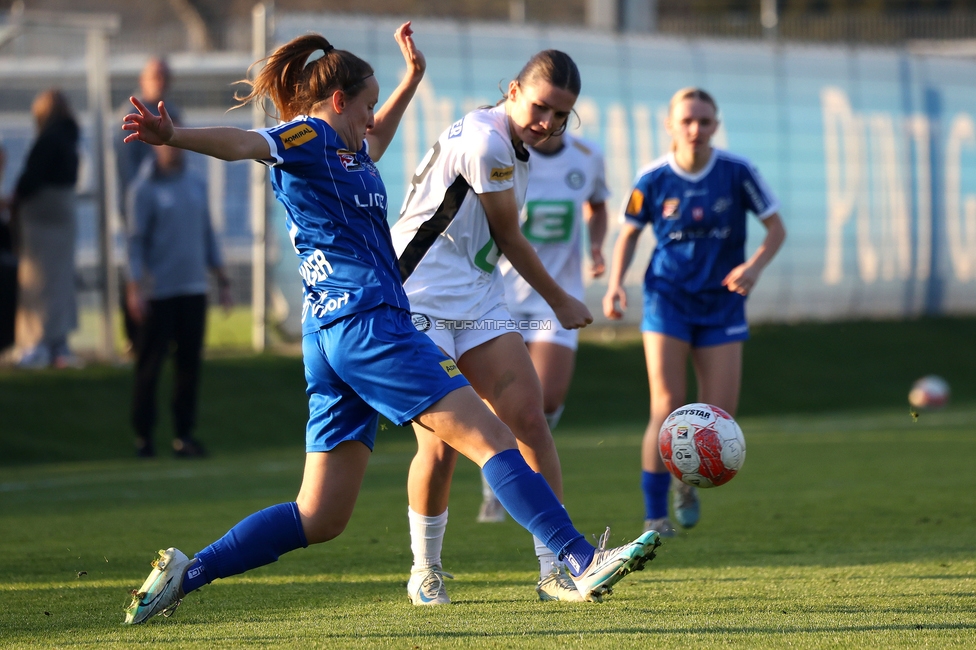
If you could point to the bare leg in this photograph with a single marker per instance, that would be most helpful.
(718, 369)
(666, 358)
(329, 489)
(554, 364)
(429, 479)
(501, 372)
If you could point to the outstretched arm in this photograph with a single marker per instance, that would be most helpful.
(226, 143)
(743, 278)
(623, 253)
(387, 119)
(595, 216)
(501, 210)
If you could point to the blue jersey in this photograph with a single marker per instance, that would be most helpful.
(699, 220)
(335, 205)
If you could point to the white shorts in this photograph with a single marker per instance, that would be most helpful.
(455, 337)
(543, 327)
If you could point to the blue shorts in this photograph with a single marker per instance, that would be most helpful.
(705, 319)
(370, 362)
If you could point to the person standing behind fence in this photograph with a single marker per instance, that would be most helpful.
(696, 200)
(8, 268)
(44, 214)
(154, 83)
(171, 246)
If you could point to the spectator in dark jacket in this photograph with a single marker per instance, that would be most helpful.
(44, 209)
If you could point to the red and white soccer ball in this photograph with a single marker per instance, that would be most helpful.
(930, 393)
(702, 445)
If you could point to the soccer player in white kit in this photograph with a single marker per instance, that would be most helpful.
(460, 215)
(567, 190)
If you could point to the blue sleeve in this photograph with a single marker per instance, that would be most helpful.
(214, 258)
(295, 144)
(140, 209)
(637, 210)
(757, 197)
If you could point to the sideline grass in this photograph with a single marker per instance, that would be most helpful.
(848, 527)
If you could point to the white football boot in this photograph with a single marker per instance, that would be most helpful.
(610, 565)
(426, 586)
(162, 591)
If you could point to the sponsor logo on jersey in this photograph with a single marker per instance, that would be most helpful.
(722, 204)
(420, 321)
(315, 268)
(636, 203)
(670, 208)
(450, 368)
(757, 201)
(320, 304)
(548, 222)
(456, 129)
(371, 200)
(576, 179)
(691, 193)
(297, 136)
(701, 233)
(502, 173)
(348, 160)
(698, 213)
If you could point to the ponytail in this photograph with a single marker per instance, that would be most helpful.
(295, 81)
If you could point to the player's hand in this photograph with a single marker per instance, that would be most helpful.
(610, 301)
(149, 128)
(598, 265)
(742, 279)
(135, 302)
(572, 313)
(414, 58)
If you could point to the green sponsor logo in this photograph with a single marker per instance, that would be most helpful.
(548, 222)
(487, 257)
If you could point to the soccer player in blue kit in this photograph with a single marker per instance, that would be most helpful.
(696, 200)
(362, 353)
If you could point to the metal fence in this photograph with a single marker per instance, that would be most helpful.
(872, 150)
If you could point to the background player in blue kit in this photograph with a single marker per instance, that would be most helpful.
(362, 354)
(695, 199)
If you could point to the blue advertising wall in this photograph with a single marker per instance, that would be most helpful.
(871, 151)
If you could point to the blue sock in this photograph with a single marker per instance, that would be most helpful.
(255, 541)
(655, 486)
(531, 502)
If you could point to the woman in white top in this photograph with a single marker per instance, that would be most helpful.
(567, 190)
(460, 216)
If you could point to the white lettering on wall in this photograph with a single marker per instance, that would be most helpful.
(960, 211)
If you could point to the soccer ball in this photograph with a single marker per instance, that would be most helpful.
(930, 392)
(702, 445)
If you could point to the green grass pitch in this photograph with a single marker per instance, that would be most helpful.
(849, 526)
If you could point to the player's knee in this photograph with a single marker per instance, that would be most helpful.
(530, 426)
(323, 529)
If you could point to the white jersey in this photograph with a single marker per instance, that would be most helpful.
(446, 252)
(559, 185)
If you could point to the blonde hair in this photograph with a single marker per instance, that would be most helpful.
(295, 84)
(691, 92)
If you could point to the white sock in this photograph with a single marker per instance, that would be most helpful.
(486, 492)
(547, 559)
(426, 538)
(553, 418)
